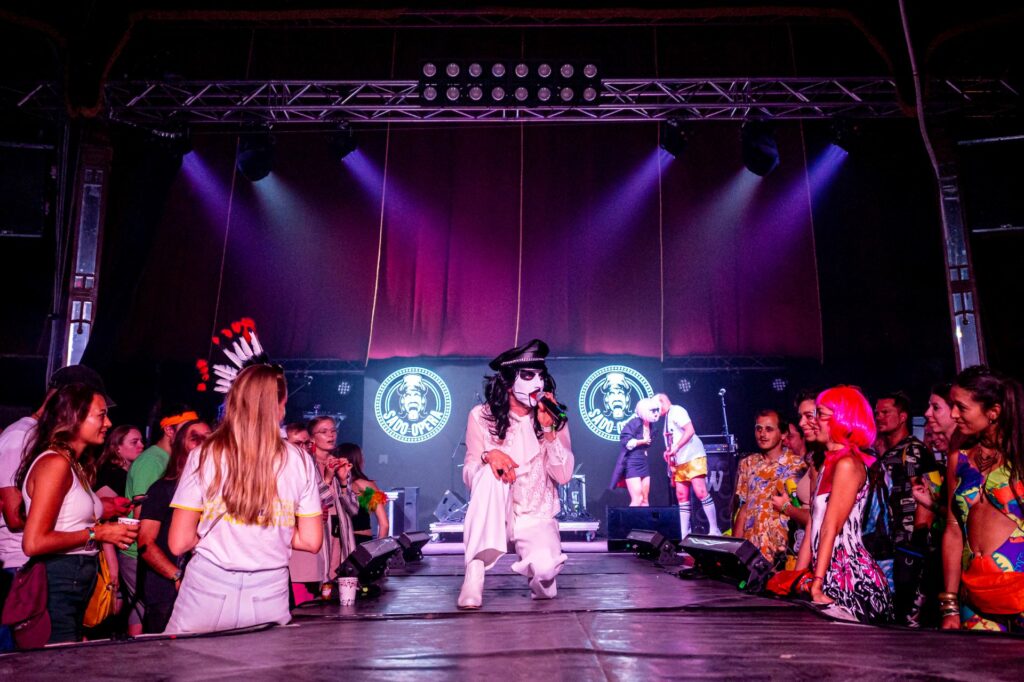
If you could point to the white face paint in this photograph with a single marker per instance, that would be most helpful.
(528, 386)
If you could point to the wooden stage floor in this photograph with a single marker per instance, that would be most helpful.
(617, 617)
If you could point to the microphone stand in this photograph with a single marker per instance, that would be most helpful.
(451, 468)
(725, 422)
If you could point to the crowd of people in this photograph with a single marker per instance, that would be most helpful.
(214, 528)
(876, 525)
(204, 530)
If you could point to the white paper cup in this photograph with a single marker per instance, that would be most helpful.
(126, 521)
(347, 588)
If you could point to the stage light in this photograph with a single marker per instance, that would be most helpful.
(684, 385)
(475, 70)
(544, 94)
(845, 134)
(342, 143)
(566, 94)
(452, 70)
(476, 93)
(497, 93)
(650, 544)
(673, 137)
(369, 560)
(760, 150)
(567, 71)
(255, 156)
(779, 384)
(452, 93)
(430, 93)
(521, 94)
(589, 94)
(544, 70)
(429, 70)
(498, 70)
(412, 543)
(733, 560)
(522, 70)
(344, 387)
(589, 70)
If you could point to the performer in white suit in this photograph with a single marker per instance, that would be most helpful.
(516, 457)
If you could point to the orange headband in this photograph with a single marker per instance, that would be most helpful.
(178, 419)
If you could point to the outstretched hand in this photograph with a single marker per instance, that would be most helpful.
(502, 466)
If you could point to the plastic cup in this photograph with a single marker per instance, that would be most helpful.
(347, 588)
(126, 521)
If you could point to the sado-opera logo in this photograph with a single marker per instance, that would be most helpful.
(608, 398)
(413, 405)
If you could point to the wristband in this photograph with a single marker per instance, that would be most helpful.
(547, 429)
(816, 578)
(177, 576)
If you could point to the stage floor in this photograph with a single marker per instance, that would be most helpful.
(616, 618)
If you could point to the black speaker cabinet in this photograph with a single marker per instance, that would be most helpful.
(731, 559)
(621, 520)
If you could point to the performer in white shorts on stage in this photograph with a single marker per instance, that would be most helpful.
(517, 454)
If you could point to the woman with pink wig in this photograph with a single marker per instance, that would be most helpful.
(845, 575)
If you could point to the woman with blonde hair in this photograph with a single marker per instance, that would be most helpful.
(245, 500)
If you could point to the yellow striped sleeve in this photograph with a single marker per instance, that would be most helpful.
(309, 516)
(181, 506)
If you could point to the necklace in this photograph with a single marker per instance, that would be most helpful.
(985, 459)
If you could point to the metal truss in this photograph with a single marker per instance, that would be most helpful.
(304, 103)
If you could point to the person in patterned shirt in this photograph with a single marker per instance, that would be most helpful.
(761, 476)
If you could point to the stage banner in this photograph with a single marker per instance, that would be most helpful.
(415, 412)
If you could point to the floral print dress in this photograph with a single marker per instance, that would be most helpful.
(854, 581)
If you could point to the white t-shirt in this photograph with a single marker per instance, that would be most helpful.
(235, 546)
(676, 419)
(12, 444)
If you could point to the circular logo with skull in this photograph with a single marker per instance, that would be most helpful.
(608, 398)
(412, 405)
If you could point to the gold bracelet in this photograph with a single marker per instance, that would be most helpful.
(948, 595)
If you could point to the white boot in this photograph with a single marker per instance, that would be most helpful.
(472, 594)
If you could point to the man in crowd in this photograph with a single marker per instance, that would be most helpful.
(762, 475)
(904, 460)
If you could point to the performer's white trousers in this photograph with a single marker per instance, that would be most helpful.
(491, 525)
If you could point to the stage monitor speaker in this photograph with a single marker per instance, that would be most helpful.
(404, 509)
(451, 507)
(369, 560)
(621, 520)
(412, 543)
(726, 558)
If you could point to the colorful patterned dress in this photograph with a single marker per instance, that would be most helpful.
(1010, 555)
(759, 478)
(854, 581)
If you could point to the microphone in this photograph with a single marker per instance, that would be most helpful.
(721, 392)
(556, 410)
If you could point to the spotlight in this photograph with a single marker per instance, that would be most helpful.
(589, 94)
(452, 93)
(544, 70)
(521, 70)
(673, 137)
(589, 70)
(342, 143)
(566, 94)
(521, 93)
(255, 155)
(475, 70)
(452, 70)
(344, 387)
(412, 543)
(684, 385)
(498, 70)
(544, 94)
(779, 384)
(430, 93)
(476, 93)
(845, 134)
(369, 561)
(497, 93)
(429, 70)
(567, 71)
(760, 150)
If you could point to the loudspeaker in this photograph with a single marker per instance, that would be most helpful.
(621, 520)
(369, 560)
(451, 507)
(730, 559)
(404, 509)
(412, 544)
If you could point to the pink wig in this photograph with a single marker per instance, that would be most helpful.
(853, 422)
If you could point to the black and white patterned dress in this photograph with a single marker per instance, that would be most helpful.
(854, 581)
